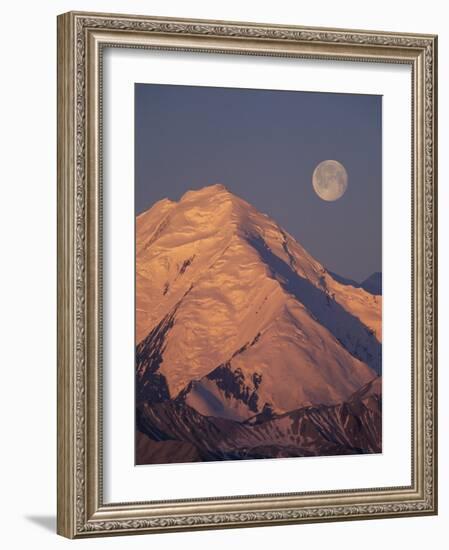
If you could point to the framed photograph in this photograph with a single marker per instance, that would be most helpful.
(246, 274)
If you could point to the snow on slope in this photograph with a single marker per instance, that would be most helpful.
(234, 316)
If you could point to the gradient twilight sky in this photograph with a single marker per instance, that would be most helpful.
(263, 145)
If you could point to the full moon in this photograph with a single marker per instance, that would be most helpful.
(330, 180)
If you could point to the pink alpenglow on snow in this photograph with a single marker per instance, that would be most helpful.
(246, 346)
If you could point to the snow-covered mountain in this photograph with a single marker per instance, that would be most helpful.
(235, 319)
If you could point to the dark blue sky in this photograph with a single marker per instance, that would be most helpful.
(264, 145)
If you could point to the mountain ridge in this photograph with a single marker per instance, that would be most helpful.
(352, 427)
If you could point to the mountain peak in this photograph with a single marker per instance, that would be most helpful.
(207, 191)
(373, 283)
(216, 187)
(224, 289)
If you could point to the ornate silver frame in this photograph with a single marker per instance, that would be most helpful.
(81, 38)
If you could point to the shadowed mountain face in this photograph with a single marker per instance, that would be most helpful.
(246, 346)
(372, 284)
